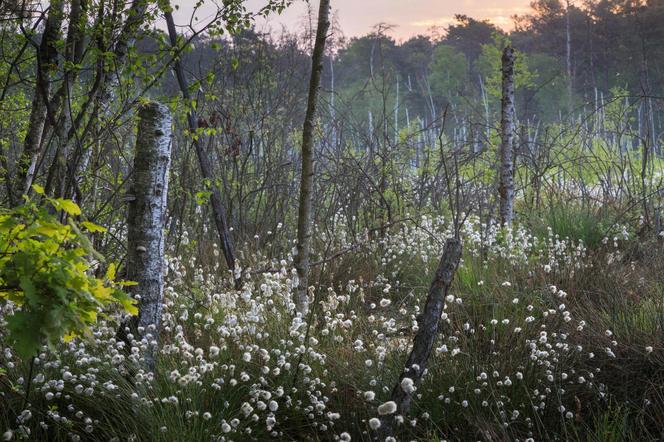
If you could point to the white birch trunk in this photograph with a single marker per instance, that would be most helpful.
(506, 187)
(146, 220)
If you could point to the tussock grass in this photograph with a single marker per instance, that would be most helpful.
(494, 375)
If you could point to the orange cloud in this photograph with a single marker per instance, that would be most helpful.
(501, 17)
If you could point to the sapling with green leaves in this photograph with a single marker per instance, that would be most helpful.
(47, 272)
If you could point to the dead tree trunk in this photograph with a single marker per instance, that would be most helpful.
(307, 178)
(506, 187)
(146, 220)
(402, 393)
(206, 168)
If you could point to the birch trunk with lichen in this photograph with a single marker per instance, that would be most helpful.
(146, 220)
(506, 187)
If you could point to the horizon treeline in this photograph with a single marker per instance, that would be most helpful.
(572, 60)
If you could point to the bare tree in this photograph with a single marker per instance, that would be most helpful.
(146, 219)
(307, 177)
(506, 186)
(206, 168)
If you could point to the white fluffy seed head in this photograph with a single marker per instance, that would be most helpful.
(408, 386)
(387, 408)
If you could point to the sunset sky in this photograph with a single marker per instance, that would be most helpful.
(410, 17)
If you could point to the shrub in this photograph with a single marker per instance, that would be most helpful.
(45, 271)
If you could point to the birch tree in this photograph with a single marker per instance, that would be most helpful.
(146, 219)
(46, 60)
(506, 186)
(218, 211)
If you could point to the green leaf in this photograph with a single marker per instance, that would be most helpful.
(92, 227)
(26, 337)
(110, 272)
(203, 197)
(69, 206)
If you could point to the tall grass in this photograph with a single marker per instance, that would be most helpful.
(494, 375)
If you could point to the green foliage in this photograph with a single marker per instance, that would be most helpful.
(449, 72)
(550, 88)
(573, 222)
(619, 113)
(610, 426)
(46, 271)
(490, 62)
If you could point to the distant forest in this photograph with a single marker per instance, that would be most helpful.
(572, 60)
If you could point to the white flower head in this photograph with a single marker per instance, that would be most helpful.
(387, 408)
(408, 386)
